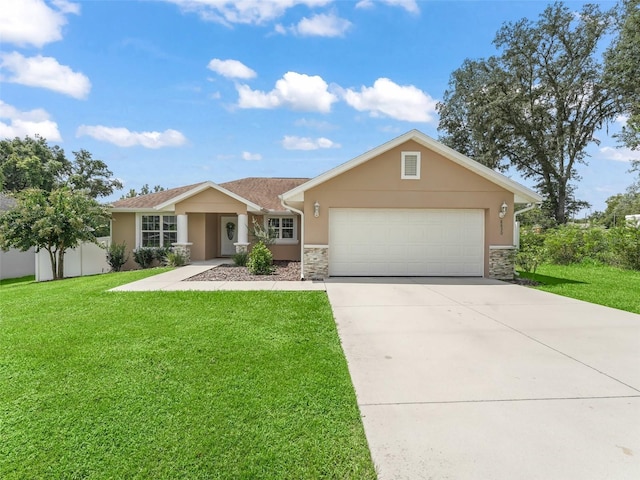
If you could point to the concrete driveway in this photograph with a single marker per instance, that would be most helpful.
(479, 379)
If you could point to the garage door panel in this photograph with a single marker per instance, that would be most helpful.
(401, 242)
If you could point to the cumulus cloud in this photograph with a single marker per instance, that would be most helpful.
(15, 123)
(251, 156)
(231, 68)
(306, 143)
(33, 22)
(620, 154)
(44, 72)
(254, 12)
(321, 25)
(294, 90)
(410, 6)
(388, 99)
(123, 137)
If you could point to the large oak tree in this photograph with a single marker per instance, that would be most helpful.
(537, 105)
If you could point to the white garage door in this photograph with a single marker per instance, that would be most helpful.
(406, 242)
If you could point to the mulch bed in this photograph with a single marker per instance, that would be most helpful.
(284, 271)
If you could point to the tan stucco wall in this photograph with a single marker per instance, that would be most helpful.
(197, 235)
(442, 184)
(280, 252)
(123, 229)
(210, 200)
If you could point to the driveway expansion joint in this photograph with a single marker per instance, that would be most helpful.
(497, 400)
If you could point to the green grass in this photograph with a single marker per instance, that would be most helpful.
(97, 384)
(601, 284)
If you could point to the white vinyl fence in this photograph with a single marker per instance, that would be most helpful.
(16, 264)
(87, 259)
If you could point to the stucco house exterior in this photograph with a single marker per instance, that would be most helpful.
(410, 207)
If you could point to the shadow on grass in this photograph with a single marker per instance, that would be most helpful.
(547, 280)
(11, 281)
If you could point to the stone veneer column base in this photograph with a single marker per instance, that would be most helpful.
(316, 262)
(502, 261)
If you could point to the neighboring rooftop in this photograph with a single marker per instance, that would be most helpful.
(260, 191)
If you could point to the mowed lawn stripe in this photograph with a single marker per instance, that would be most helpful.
(97, 384)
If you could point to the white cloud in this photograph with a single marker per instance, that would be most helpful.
(316, 124)
(123, 137)
(622, 119)
(251, 156)
(44, 72)
(294, 90)
(322, 25)
(231, 68)
(33, 22)
(620, 154)
(306, 143)
(22, 124)
(388, 99)
(243, 11)
(410, 6)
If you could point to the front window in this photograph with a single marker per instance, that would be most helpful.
(283, 229)
(159, 230)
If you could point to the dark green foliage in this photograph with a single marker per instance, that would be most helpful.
(240, 259)
(148, 257)
(117, 256)
(625, 243)
(176, 258)
(144, 190)
(32, 163)
(537, 104)
(260, 260)
(54, 221)
(532, 252)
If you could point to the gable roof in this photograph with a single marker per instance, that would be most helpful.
(264, 191)
(258, 194)
(521, 193)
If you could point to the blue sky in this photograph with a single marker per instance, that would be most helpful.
(181, 91)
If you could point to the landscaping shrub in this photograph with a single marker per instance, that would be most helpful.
(117, 256)
(240, 259)
(145, 256)
(260, 260)
(625, 243)
(565, 244)
(176, 258)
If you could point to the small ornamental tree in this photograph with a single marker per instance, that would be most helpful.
(54, 221)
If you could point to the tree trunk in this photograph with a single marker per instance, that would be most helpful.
(60, 264)
(54, 263)
(561, 206)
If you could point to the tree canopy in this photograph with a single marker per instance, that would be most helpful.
(32, 163)
(537, 105)
(144, 190)
(622, 64)
(54, 221)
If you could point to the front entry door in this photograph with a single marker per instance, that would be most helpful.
(229, 235)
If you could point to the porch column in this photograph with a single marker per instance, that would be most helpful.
(183, 229)
(183, 244)
(243, 233)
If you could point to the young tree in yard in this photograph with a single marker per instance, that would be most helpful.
(538, 104)
(622, 64)
(32, 163)
(54, 221)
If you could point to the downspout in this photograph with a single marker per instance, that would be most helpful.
(288, 207)
(516, 229)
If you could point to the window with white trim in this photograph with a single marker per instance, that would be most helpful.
(410, 166)
(158, 230)
(284, 229)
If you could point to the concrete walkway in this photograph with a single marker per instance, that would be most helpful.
(174, 280)
(479, 379)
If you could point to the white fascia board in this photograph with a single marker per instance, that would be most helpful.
(171, 203)
(522, 193)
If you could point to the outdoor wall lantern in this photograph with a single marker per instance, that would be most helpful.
(316, 209)
(503, 210)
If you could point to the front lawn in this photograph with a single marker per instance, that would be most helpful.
(97, 384)
(602, 284)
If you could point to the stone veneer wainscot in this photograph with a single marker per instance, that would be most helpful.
(316, 262)
(502, 262)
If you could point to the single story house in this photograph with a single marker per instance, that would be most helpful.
(410, 207)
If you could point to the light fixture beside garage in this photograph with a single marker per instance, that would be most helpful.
(316, 209)
(502, 214)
